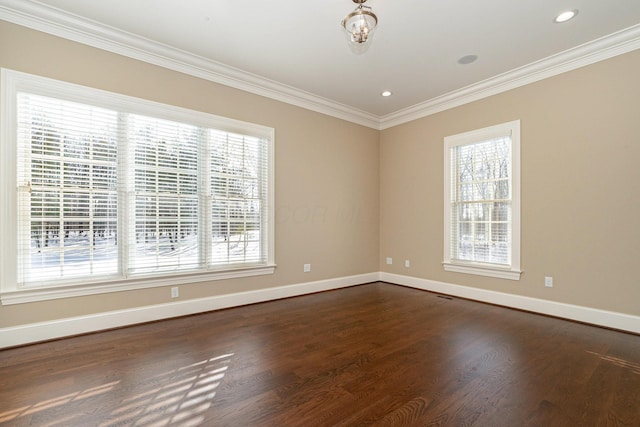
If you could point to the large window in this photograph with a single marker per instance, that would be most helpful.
(482, 202)
(106, 190)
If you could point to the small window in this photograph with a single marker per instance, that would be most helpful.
(108, 192)
(482, 202)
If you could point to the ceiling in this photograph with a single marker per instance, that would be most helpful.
(297, 51)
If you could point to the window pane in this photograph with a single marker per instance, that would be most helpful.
(104, 194)
(166, 202)
(237, 165)
(481, 203)
(67, 169)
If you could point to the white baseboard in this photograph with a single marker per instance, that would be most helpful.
(42, 331)
(608, 319)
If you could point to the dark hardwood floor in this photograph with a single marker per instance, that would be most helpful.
(374, 354)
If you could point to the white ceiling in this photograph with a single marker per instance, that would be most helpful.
(292, 50)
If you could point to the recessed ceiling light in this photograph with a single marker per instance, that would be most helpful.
(386, 93)
(468, 59)
(565, 16)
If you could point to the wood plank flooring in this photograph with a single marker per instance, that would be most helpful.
(370, 355)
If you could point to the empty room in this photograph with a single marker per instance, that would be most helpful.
(341, 213)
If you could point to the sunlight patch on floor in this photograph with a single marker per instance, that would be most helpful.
(179, 396)
(57, 401)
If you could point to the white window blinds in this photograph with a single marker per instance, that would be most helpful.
(67, 194)
(482, 201)
(166, 196)
(238, 183)
(106, 194)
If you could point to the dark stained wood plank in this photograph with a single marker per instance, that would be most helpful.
(370, 355)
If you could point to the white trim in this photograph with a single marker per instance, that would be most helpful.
(594, 316)
(511, 130)
(52, 21)
(34, 332)
(51, 293)
(41, 331)
(16, 81)
(482, 270)
(72, 27)
(606, 47)
(11, 292)
(7, 191)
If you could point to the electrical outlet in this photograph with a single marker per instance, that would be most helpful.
(389, 260)
(407, 263)
(306, 268)
(175, 292)
(548, 281)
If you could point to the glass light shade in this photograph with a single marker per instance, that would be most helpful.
(360, 24)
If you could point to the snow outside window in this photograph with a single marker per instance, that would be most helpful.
(111, 190)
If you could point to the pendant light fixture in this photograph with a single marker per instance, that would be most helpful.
(359, 26)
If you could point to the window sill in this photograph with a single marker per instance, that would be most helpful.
(50, 293)
(483, 270)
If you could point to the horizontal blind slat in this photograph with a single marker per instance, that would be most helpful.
(481, 202)
(83, 170)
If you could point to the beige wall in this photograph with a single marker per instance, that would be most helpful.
(580, 142)
(326, 172)
(348, 196)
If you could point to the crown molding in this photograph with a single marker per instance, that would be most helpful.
(588, 53)
(49, 20)
(37, 16)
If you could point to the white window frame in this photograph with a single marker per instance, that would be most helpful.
(512, 271)
(12, 82)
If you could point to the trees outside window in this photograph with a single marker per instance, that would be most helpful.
(106, 194)
(482, 219)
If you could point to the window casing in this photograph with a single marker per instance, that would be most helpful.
(482, 202)
(109, 192)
